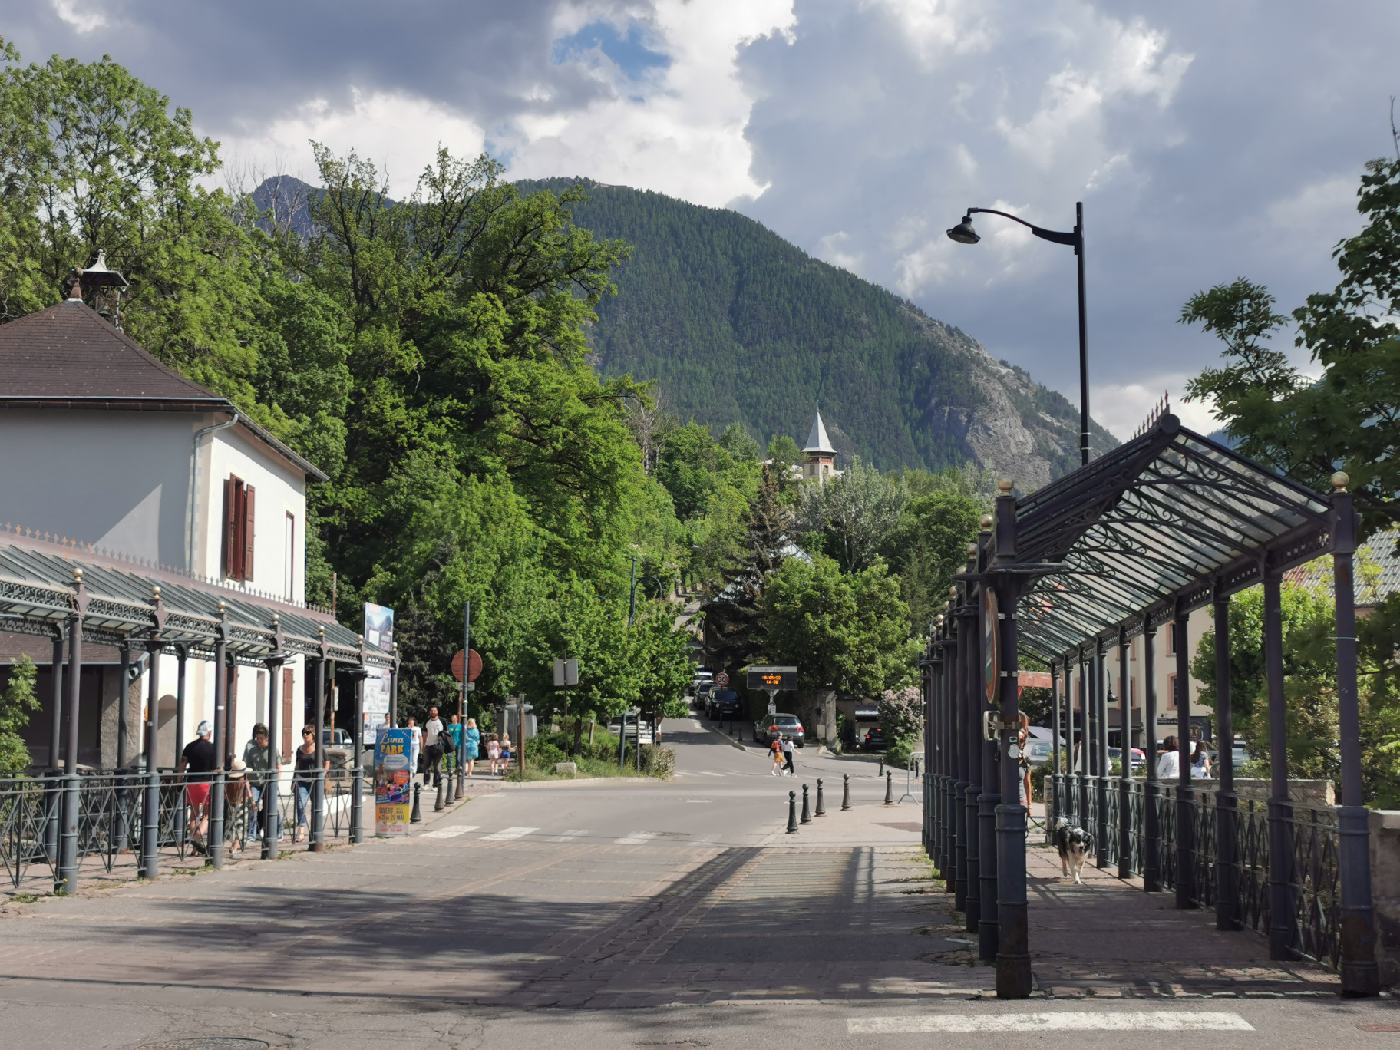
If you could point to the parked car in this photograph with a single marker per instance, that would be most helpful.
(336, 738)
(1040, 745)
(874, 740)
(701, 679)
(779, 727)
(723, 704)
(1138, 760)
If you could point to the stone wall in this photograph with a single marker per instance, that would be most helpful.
(1385, 892)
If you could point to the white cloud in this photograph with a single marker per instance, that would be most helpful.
(831, 248)
(81, 16)
(1122, 408)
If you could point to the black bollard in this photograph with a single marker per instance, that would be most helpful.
(889, 789)
(416, 817)
(439, 798)
(882, 767)
(451, 782)
(821, 809)
(806, 808)
(792, 813)
(845, 791)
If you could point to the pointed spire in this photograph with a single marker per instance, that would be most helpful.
(817, 441)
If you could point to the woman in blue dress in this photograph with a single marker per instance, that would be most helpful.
(472, 745)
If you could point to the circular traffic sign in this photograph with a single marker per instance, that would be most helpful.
(722, 679)
(473, 665)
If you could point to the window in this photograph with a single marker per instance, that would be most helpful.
(1171, 638)
(1171, 691)
(238, 529)
(289, 559)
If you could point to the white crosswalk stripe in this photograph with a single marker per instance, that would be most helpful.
(1185, 1020)
(449, 833)
(568, 836)
(509, 833)
(636, 838)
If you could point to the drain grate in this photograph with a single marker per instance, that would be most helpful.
(208, 1042)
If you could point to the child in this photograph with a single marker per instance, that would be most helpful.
(493, 753)
(775, 751)
(505, 754)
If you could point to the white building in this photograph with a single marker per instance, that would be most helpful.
(105, 448)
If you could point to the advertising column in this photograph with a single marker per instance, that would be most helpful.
(394, 763)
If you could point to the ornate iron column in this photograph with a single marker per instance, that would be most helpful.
(1226, 801)
(985, 697)
(123, 701)
(1185, 810)
(1086, 736)
(1151, 826)
(956, 698)
(970, 642)
(53, 788)
(1013, 978)
(150, 809)
(271, 817)
(1281, 920)
(1125, 773)
(67, 880)
(318, 785)
(950, 737)
(215, 842)
(1360, 974)
(182, 656)
(1103, 830)
(1071, 791)
(1056, 803)
(357, 751)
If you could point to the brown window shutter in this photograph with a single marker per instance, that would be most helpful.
(286, 714)
(248, 518)
(231, 549)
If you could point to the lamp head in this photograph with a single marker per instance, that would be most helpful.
(963, 232)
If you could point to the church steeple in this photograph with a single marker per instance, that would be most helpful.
(819, 458)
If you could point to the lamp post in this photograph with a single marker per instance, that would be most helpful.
(963, 233)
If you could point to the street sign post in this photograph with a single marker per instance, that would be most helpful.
(772, 680)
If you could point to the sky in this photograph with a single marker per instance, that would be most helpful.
(1206, 141)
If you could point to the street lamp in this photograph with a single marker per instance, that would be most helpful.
(963, 233)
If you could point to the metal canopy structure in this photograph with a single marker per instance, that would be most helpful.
(39, 592)
(1164, 524)
(1161, 524)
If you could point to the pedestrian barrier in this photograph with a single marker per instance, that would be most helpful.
(889, 788)
(792, 813)
(821, 809)
(845, 791)
(806, 809)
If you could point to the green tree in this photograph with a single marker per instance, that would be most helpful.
(927, 545)
(18, 702)
(852, 517)
(1348, 417)
(661, 656)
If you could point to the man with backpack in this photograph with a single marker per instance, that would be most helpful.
(433, 736)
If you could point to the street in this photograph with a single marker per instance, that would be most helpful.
(606, 913)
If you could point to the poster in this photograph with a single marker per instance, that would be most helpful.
(394, 763)
(379, 635)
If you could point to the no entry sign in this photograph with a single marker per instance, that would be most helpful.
(473, 665)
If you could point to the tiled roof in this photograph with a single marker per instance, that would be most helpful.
(69, 352)
(1377, 572)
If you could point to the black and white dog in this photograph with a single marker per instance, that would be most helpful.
(1073, 844)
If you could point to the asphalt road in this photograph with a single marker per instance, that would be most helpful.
(601, 914)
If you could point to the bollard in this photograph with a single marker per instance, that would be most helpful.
(845, 791)
(882, 767)
(439, 798)
(416, 817)
(889, 789)
(821, 810)
(451, 782)
(792, 813)
(806, 808)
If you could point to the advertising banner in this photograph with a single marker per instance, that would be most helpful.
(394, 763)
(379, 634)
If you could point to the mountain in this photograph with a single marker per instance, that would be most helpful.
(735, 324)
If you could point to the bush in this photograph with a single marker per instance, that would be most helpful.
(658, 761)
(542, 752)
(901, 749)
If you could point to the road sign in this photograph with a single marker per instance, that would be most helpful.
(565, 673)
(473, 665)
(722, 679)
(772, 678)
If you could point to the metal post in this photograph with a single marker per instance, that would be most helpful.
(972, 740)
(1280, 808)
(1071, 806)
(1083, 337)
(806, 806)
(821, 809)
(53, 789)
(272, 783)
(123, 701)
(1151, 826)
(989, 796)
(1101, 833)
(1056, 802)
(1013, 977)
(1125, 773)
(394, 688)
(1226, 801)
(318, 785)
(465, 706)
(1085, 767)
(1185, 812)
(150, 810)
(416, 817)
(182, 656)
(357, 751)
(67, 881)
(215, 842)
(958, 816)
(792, 813)
(1360, 975)
(845, 791)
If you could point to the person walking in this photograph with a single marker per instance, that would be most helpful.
(471, 745)
(1169, 761)
(505, 753)
(788, 767)
(775, 752)
(258, 760)
(493, 753)
(432, 748)
(304, 776)
(198, 760)
(452, 744)
(1200, 762)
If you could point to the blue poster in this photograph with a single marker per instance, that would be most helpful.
(394, 763)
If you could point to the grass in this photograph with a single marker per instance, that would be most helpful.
(587, 767)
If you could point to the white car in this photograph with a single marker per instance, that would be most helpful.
(648, 735)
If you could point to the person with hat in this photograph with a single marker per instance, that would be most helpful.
(198, 760)
(238, 797)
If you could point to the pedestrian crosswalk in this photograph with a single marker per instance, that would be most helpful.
(506, 834)
(521, 833)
